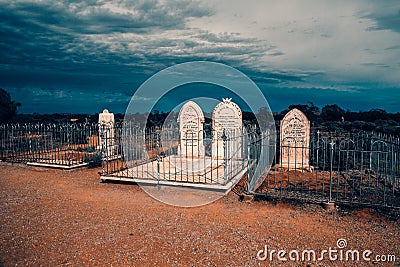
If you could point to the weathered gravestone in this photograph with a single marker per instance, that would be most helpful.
(227, 124)
(191, 120)
(106, 131)
(295, 140)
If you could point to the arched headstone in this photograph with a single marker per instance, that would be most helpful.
(295, 140)
(191, 120)
(227, 124)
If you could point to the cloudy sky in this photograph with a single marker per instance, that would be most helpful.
(83, 56)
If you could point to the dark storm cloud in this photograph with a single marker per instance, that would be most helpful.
(27, 41)
(87, 36)
(224, 37)
(56, 35)
(386, 16)
(89, 55)
(235, 44)
(86, 17)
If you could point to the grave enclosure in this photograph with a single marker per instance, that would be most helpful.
(55, 145)
(355, 167)
(180, 155)
(360, 168)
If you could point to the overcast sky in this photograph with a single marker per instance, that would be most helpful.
(83, 56)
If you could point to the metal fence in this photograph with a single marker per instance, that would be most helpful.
(356, 168)
(61, 145)
(164, 155)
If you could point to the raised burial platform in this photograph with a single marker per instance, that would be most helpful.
(194, 172)
(58, 164)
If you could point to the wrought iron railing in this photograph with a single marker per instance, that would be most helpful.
(357, 168)
(51, 144)
(159, 154)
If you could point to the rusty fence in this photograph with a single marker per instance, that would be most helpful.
(60, 144)
(354, 168)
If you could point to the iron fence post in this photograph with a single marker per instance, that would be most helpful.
(102, 148)
(331, 171)
(68, 144)
(242, 146)
(30, 143)
(224, 138)
(318, 133)
(158, 156)
(248, 160)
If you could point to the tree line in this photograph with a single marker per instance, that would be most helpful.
(335, 118)
(328, 118)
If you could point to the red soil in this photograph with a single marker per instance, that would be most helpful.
(55, 217)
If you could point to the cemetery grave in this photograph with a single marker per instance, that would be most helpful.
(361, 168)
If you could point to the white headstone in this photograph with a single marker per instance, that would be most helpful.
(191, 120)
(106, 130)
(295, 140)
(227, 122)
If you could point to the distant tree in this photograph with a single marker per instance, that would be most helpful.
(248, 116)
(352, 116)
(332, 113)
(310, 110)
(375, 114)
(8, 108)
(396, 116)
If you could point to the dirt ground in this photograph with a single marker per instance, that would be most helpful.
(68, 218)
